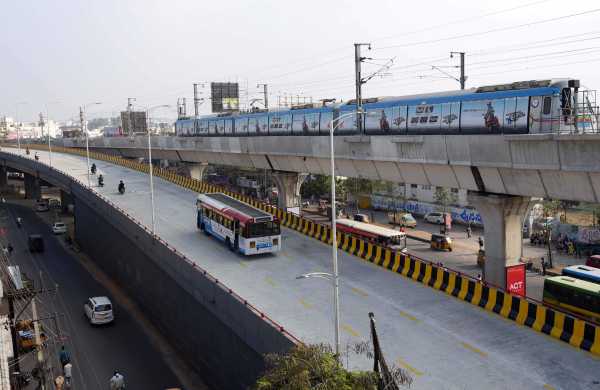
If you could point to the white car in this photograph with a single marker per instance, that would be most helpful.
(434, 218)
(59, 228)
(98, 310)
(42, 205)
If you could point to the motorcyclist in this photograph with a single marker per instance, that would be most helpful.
(117, 382)
(36, 156)
(121, 187)
(19, 222)
(101, 180)
(93, 169)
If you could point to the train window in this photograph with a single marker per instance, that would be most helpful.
(325, 121)
(241, 125)
(547, 105)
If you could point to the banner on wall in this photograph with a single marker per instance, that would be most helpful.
(515, 279)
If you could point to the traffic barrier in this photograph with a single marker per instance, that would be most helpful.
(561, 326)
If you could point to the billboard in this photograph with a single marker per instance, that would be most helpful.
(515, 279)
(135, 119)
(225, 97)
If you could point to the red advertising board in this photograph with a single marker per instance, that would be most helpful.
(515, 279)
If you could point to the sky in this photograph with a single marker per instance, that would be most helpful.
(61, 54)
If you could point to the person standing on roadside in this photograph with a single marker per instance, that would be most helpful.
(543, 267)
(469, 231)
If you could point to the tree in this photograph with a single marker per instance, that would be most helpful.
(315, 185)
(316, 367)
(444, 197)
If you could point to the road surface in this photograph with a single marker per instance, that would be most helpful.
(443, 342)
(96, 351)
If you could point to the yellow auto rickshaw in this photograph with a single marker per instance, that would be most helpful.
(441, 242)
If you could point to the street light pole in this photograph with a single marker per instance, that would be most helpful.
(335, 278)
(150, 163)
(18, 125)
(87, 142)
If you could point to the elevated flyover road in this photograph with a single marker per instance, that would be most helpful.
(444, 343)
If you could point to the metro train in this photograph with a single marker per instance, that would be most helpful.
(538, 106)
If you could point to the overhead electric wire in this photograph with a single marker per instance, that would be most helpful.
(490, 31)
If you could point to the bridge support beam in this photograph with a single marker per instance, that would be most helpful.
(33, 188)
(196, 171)
(502, 217)
(288, 189)
(3, 178)
(65, 200)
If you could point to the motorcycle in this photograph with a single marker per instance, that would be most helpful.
(100, 181)
(93, 169)
(121, 188)
(37, 157)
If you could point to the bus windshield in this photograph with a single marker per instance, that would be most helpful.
(262, 229)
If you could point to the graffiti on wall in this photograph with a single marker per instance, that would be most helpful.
(459, 214)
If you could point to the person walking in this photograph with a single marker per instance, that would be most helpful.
(64, 356)
(67, 370)
(480, 243)
(543, 267)
(469, 231)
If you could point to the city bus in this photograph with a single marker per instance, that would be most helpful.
(243, 228)
(575, 295)
(582, 272)
(379, 235)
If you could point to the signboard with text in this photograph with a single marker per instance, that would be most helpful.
(515, 279)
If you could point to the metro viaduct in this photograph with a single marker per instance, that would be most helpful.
(501, 172)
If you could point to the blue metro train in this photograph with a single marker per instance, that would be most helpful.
(522, 107)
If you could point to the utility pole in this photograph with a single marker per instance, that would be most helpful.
(38, 343)
(265, 94)
(463, 78)
(359, 81)
(197, 100)
(129, 107)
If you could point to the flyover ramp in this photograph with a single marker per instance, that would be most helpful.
(444, 343)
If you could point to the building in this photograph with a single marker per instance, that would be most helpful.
(427, 193)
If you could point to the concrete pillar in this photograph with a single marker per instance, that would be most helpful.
(3, 178)
(196, 171)
(502, 217)
(65, 200)
(33, 189)
(288, 188)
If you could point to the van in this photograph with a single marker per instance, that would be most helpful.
(36, 243)
(593, 261)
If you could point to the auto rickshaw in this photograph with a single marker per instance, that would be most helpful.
(441, 242)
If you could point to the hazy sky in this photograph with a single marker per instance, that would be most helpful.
(59, 54)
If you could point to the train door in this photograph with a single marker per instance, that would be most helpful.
(535, 110)
(546, 118)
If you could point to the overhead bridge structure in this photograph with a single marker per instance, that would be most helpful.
(434, 323)
(500, 171)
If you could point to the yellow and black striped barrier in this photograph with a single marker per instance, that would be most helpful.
(561, 326)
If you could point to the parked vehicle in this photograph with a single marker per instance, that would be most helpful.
(362, 218)
(434, 217)
(42, 205)
(98, 310)
(26, 335)
(441, 242)
(593, 261)
(59, 228)
(575, 295)
(401, 218)
(36, 243)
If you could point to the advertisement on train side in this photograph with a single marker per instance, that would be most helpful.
(515, 279)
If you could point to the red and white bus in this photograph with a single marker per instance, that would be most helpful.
(385, 237)
(243, 228)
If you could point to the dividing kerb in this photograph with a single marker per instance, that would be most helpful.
(562, 326)
(220, 334)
